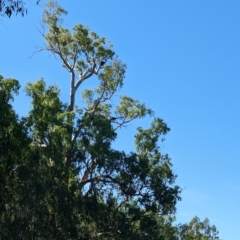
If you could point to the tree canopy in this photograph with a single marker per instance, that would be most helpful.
(197, 229)
(60, 177)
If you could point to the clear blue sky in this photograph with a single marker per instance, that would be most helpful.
(183, 61)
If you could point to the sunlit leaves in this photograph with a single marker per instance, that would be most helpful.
(80, 47)
(7, 87)
(147, 140)
(87, 189)
(132, 109)
(197, 229)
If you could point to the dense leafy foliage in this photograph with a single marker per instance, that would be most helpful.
(198, 230)
(60, 177)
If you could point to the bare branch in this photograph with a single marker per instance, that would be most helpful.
(85, 76)
(90, 180)
(39, 50)
(109, 233)
(87, 172)
(124, 122)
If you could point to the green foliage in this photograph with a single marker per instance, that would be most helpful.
(198, 230)
(8, 7)
(14, 146)
(60, 177)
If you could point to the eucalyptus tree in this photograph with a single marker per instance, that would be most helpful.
(198, 230)
(121, 192)
(75, 185)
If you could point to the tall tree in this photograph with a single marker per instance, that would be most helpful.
(69, 181)
(139, 184)
(61, 178)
